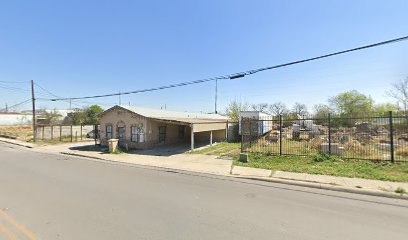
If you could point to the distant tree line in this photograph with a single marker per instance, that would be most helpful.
(80, 116)
(346, 104)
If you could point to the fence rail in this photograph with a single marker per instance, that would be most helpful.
(379, 138)
(65, 132)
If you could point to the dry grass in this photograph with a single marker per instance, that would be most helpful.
(316, 143)
(356, 147)
(23, 132)
(402, 152)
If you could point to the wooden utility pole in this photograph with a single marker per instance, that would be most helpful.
(33, 100)
(216, 95)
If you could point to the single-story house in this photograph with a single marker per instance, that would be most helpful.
(138, 127)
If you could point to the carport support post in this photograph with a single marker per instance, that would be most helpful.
(211, 137)
(192, 137)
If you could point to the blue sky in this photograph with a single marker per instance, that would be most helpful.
(79, 48)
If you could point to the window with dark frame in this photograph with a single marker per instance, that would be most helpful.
(108, 131)
(133, 134)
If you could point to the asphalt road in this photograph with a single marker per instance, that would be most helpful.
(45, 196)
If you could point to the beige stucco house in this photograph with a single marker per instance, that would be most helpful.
(138, 127)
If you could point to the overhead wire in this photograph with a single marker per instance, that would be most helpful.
(17, 104)
(236, 75)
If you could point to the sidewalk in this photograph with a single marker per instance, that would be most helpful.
(333, 181)
(215, 165)
(17, 142)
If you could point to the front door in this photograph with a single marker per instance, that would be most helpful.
(121, 136)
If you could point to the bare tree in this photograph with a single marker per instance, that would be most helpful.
(261, 107)
(299, 109)
(278, 108)
(400, 93)
(234, 108)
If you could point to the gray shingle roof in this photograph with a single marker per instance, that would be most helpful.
(173, 115)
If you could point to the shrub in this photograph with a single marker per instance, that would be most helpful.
(324, 158)
(401, 191)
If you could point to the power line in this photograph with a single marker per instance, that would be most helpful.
(54, 95)
(17, 104)
(15, 81)
(239, 74)
(4, 86)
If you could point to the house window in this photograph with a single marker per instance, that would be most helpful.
(137, 134)
(133, 135)
(108, 131)
(162, 134)
(181, 131)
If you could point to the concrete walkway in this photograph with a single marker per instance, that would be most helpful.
(220, 166)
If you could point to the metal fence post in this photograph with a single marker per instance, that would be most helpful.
(329, 119)
(71, 132)
(60, 133)
(391, 137)
(242, 135)
(81, 131)
(52, 132)
(280, 135)
(95, 133)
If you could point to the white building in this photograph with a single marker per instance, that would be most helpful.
(15, 118)
(264, 121)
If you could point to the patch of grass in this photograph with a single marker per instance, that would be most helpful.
(324, 157)
(335, 166)
(119, 151)
(358, 186)
(401, 191)
(221, 149)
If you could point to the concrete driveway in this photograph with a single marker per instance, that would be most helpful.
(173, 157)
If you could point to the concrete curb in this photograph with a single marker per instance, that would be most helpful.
(328, 187)
(16, 143)
(293, 182)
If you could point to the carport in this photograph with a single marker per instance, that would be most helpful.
(219, 128)
(208, 130)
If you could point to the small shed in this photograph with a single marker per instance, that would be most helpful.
(263, 121)
(138, 127)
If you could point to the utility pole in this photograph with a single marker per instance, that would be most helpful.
(70, 102)
(216, 93)
(33, 100)
(120, 100)
(6, 107)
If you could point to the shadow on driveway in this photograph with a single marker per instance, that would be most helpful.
(165, 150)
